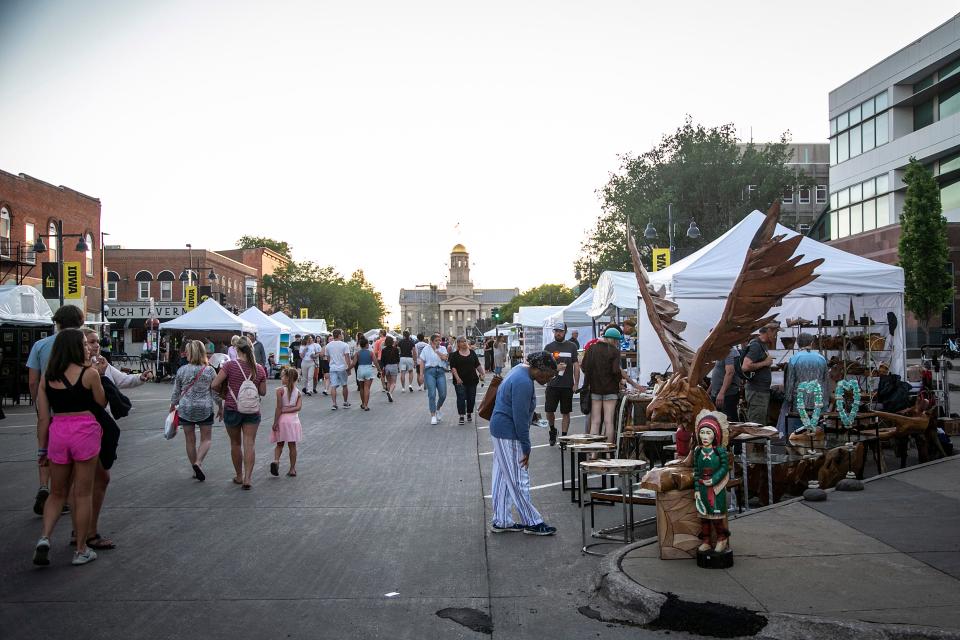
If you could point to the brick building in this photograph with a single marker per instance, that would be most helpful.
(139, 278)
(266, 262)
(29, 209)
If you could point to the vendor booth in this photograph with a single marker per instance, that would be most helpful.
(699, 285)
(294, 325)
(575, 316)
(274, 335)
(531, 321)
(210, 317)
(25, 317)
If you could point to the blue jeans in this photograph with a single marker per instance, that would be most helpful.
(436, 380)
(466, 397)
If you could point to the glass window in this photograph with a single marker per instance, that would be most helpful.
(843, 147)
(855, 115)
(844, 217)
(52, 238)
(856, 193)
(883, 211)
(788, 196)
(923, 84)
(856, 148)
(166, 290)
(949, 163)
(4, 223)
(834, 199)
(29, 237)
(869, 188)
(949, 102)
(843, 121)
(867, 108)
(869, 215)
(950, 69)
(844, 198)
(950, 196)
(833, 126)
(869, 139)
(881, 129)
(804, 195)
(833, 151)
(881, 101)
(834, 225)
(856, 219)
(88, 257)
(821, 194)
(111, 291)
(143, 290)
(883, 183)
(923, 115)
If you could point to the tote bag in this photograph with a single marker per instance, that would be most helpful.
(485, 410)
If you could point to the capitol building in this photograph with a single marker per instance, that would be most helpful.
(454, 310)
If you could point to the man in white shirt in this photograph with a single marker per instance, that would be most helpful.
(338, 353)
(308, 361)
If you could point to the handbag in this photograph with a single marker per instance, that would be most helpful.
(485, 410)
(172, 422)
(585, 402)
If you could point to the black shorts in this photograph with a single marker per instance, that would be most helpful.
(324, 367)
(558, 396)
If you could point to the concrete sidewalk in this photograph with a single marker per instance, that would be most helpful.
(889, 554)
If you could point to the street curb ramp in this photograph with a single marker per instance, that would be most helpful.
(617, 598)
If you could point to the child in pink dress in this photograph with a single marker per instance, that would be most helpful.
(286, 421)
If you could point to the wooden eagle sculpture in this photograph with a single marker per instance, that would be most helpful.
(770, 271)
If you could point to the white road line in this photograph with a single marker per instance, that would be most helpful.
(536, 446)
(18, 426)
(546, 486)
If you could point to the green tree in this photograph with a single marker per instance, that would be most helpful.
(704, 173)
(254, 242)
(923, 247)
(544, 295)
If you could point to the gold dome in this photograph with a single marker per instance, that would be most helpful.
(459, 248)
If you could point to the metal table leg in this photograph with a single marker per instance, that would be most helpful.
(767, 446)
(746, 487)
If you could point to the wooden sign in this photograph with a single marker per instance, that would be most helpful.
(661, 259)
(190, 298)
(72, 282)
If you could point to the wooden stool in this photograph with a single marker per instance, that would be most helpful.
(624, 470)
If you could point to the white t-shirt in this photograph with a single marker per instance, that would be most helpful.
(431, 358)
(337, 351)
(310, 352)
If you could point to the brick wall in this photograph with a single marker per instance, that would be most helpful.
(265, 261)
(29, 200)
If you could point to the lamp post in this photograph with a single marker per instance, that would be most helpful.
(40, 247)
(103, 268)
(650, 233)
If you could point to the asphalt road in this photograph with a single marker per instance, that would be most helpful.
(385, 526)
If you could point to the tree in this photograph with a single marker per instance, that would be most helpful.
(254, 242)
(704, 173)
(545, 294)
(923, 247)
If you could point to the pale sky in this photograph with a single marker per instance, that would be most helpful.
(363, 133)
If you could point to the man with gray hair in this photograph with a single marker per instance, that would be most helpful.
(804, 365)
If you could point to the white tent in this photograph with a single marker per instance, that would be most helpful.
(274, 335)
(295, 327)
(700, 283)
(575, 316)
(209, 316)
(315, 326)
(531, 320)
(23, 305)
(502, 330)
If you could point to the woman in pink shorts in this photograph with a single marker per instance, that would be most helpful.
(69, 442)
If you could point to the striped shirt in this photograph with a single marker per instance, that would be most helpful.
(237, 371)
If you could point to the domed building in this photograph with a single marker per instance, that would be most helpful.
(453, 310)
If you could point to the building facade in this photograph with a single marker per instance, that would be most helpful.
(801, 205)
(266, 262)
(907, 105)
(454, 310)
(31, 209)
(145, 282)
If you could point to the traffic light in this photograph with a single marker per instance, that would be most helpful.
(495, 314)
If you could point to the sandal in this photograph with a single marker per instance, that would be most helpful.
(274, 468)
(197, 473)
(246, 487)
(237, 481)
(291, 474)
(98, 542)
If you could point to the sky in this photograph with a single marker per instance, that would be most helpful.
(378, 134)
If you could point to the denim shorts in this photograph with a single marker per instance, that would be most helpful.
(339, 378)
(391, 369)
(232, 418)
(365, 372)
(603, 396)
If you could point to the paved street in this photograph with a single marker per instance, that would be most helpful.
(383, 503)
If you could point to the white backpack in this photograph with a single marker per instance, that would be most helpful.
(248, 399)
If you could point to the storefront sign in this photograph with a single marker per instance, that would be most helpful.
(123, 311)
(51, 280)
(72, 282)
(190, 295)
(304, 313)
(661, 259)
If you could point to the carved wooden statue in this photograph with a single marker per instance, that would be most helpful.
(711, 471)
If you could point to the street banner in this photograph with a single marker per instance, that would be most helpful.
(190, 298)
(72, 283)
(661, 259)
(51, 280)
(304, 313)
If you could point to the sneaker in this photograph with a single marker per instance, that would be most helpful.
(41, 553)
(439, 416)
(462, 420)
(346, 404)
(389, 396)
(65, 510)
(83, 558)
(553, 436)
(433, 420)
(410, 388)
(542, 529)
(42, 494)
(516, 527)
(334, 407)
(325, 392)
(469, 417)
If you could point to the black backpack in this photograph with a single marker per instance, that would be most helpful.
(738, 362)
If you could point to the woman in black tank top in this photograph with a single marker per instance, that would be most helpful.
(69, 441)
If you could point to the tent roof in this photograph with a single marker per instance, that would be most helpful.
(614, 289)
(314, 325)
(283, 318)
(209, 316)
(23, 305)
(504, 329)
(575, 313)
(534, 316)
(264, 322)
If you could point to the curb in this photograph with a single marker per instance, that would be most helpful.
(619, 598)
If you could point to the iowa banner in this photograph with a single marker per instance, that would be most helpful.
(72, 282)
(661, 259)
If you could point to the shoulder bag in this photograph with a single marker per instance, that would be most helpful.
(485, 410)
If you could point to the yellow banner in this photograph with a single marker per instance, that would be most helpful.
(304, 313)
(661, 259)
(190, 298)
(72, 282)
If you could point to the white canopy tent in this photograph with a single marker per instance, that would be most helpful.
(274, 335)
(531, 321)
(294, 325)
(700, 283)
(209, 316)
(575, 316)
(315, 326)
(24, 306)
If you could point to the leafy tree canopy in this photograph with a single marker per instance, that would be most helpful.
(253, 242)
(545, 294)
(704, 173)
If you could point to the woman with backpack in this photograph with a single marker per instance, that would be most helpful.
(245, 382)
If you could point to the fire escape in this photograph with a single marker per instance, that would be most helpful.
(16, 258)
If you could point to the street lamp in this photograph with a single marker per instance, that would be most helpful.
(40, 247)
(103, 268)
(650, 233)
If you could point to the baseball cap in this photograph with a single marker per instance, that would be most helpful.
(613, 333)
(560, 327)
